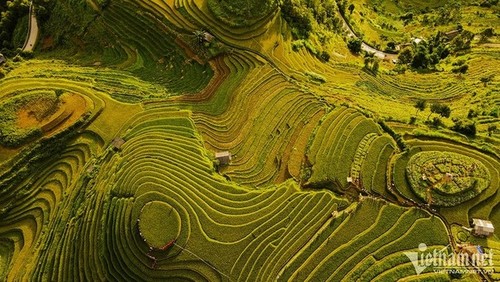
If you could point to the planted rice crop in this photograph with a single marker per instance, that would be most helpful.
(116, 133)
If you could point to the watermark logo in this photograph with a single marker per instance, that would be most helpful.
(441, 261)
(415, 258)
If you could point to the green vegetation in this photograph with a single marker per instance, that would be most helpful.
(38, 105)
(354, 44)
(13, 15)
(446, 179)
(241, 13)
(159, 224)
(348, 150)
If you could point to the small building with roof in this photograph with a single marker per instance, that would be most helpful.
(208, 37)
(117, 143)
(482, 228)
(224, 157)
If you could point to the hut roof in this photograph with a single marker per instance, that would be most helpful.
(117, 143)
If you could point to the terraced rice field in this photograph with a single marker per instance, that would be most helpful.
(120, 182)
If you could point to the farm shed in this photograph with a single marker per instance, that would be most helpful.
(208, 37)
(224, 157)
(117, 143)
(481, 227)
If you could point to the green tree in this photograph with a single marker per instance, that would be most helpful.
(486, 79)
(444, 111)
(421, 60)
(465, 127)
(491, 129)
(435, 107)
(375, 66)
(462, 41)
(405, 56)
(324, 56)
(299, 17)
(354, 44)
(351, 8)
(420, 105)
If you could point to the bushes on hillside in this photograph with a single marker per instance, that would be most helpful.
(11, 12)
(299, 17)
(11, 135)
(305, 17)
(354, 44)
(399, 140)
(462, 41)
(239, 12)
(426, 54)
(465, 127)
(440, 109)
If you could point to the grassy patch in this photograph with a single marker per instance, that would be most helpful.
(15, 113)
(159, 224)
(446, 179)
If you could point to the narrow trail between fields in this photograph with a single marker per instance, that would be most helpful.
(364, 46)
(29, 44)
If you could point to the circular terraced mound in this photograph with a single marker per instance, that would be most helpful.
(446, 179)
(159, 224)
(241, 13)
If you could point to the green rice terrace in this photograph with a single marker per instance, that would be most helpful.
(231, 140)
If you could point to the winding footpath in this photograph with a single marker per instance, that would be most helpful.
(364, 46)
(29, 44)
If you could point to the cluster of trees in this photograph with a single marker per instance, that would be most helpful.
(308, 16)
(399, 139)
(301, 14)
(11, 11)
(372, 63)
(466, 127)
(488, 3)
(354, 44)
(436, 108)
(343, 7)
(443, 15)
(460, 67)
(238, 12)
(492, 128)
(426, 54)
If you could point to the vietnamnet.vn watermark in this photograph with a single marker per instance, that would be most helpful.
(471, 259)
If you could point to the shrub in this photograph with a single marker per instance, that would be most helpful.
(486, 79)
(461, 69)
(421, 59)
(491, 129)
(399, 140)
(472, 114)
(436, 122)
(299, 17)
(488, 32)
(324, 56)
(442, 110)
(467, 128)
(316, 77)
(241, 13)
(354, 44)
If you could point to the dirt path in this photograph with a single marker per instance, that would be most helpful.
(364, 46)
(29, 44)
